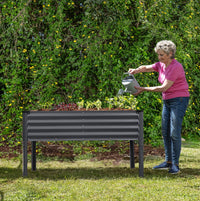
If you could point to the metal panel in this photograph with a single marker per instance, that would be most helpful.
(48, 124)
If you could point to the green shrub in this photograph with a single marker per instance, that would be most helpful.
(67, 51)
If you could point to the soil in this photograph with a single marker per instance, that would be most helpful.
(117, 151)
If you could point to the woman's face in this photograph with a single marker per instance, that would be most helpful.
(163, 57)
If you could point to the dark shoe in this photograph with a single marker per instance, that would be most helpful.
(163, 166)
(174, 169)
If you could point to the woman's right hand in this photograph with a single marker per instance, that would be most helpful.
(132, 71)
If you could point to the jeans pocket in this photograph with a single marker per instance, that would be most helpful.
(184, 101)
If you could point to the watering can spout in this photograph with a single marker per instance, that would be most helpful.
(120, 92)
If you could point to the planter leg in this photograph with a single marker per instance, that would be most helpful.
(25, 146)
(132, 162)
(33, 156)
(141, 147)
(25, 160)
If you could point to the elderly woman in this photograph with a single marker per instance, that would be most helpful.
(175, 94)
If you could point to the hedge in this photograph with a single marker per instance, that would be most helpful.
(65, 51)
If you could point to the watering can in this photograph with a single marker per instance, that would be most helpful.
(129, 83)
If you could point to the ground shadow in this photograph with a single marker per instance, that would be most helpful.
(92, 173)
(76, 173)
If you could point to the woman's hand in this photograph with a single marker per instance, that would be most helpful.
(139, 90)
(133, 71)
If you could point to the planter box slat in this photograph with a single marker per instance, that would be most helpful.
(79, 121)
(81, 138)
(81, 127)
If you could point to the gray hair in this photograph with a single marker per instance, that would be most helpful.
(167, 46)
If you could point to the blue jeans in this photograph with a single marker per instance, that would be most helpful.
(172, 117)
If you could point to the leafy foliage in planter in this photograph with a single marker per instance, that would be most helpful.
(68, 51)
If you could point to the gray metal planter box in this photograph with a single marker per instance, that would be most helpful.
(82, 125)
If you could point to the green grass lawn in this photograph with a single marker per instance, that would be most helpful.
(102, 180)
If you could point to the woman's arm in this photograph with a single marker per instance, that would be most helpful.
(141, 69)
(164, 87)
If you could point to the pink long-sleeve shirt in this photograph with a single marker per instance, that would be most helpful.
(175, 73)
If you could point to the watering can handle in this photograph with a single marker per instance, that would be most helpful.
(127, 73)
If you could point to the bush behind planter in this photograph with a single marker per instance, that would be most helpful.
(68, 51)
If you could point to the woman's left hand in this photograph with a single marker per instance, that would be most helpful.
(140, 90)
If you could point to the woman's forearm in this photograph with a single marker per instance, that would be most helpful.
(142, 69)
(164, 87)
(154, 89)
(147, 68)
